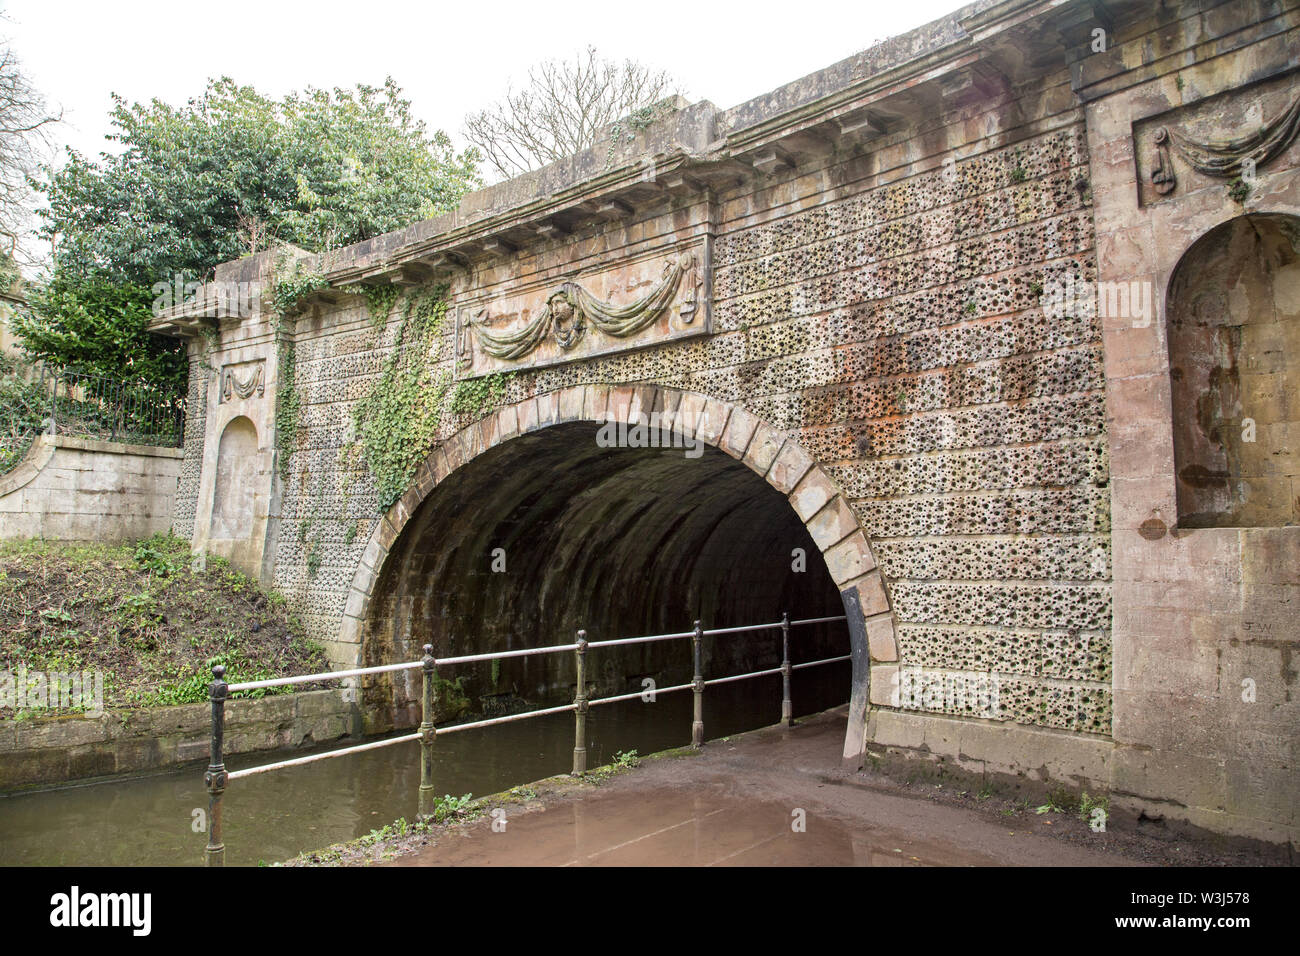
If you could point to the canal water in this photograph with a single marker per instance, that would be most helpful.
(274, 816)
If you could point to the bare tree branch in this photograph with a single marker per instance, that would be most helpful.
(565, 107)
(24, 146)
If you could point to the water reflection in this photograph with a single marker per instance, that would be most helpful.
(273, 816)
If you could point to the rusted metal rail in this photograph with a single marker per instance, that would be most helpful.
(217, 776)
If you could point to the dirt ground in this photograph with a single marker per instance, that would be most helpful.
(772, 797)
(145, 616)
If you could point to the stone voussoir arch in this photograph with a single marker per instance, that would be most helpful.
(769, 452)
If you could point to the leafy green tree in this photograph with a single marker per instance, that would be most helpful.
(224, 175)
(98, 326)
(202, 184)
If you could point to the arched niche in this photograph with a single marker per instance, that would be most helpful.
(235, 490)
(1234, 339)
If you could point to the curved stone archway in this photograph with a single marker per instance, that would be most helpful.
(767, 452)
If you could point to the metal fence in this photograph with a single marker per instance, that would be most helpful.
(217, 777)
(83, 405)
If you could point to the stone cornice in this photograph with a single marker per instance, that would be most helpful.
(698, 149)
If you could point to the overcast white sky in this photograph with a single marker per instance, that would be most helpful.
(449, 58)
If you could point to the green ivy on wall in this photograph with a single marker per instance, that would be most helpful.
(314, 559)
(288, 409)
(474, 396)
(398, 418)
(397, 421)
(380, 300)
(638, 121)
(290, 285)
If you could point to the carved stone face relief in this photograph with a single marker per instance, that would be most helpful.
(568, 323)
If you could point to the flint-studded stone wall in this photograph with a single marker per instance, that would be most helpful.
(899, 332)
(879, 302)
(196, 413)
(885, 310)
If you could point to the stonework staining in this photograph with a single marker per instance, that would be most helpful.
(1229, 157)
(850, 287)
(233, 503)
(565, 314)
(1234, 354)
(243, 380)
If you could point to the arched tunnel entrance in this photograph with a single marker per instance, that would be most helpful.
(550, 532)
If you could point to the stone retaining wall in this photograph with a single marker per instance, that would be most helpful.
(56, 750)
(78, 489)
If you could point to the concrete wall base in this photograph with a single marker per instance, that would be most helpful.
(58, 750)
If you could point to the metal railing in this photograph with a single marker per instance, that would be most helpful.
(83, 405)
(217, 777)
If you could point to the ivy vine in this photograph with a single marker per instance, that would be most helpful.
(638, 121)
(288, 410)
(380, 300)
(314, 559)
(472, 397)
(397, 421)
(290, 286)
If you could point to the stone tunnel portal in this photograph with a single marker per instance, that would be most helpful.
(550, 532)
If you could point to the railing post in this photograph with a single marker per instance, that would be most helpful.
(54, 399)
(215, 778)
(580, 708)
(697, 685)
(787, 708)
(428, 734)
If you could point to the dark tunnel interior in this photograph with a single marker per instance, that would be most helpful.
(549, 533)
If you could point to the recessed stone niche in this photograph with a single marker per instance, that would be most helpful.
(1234, 357)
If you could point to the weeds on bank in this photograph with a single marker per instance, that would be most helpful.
(380, 841)
(622, 761)
(150, 616)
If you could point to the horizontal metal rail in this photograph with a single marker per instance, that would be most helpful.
(501, 655)
(735, 677)
(648, 639)
(819, 620)
(640, 693)
(217, 777)
(825, 660)
(523, 715)
(312, 678)
(299, 761)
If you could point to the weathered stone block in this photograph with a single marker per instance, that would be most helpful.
(527, 412)
(688, 413)
(833, 524)
(812, 494)
(712, 421)
(740, 429)
(789, 467)
(595, 402)
(884, 685)
(848, 560)
(762, 449)
(880, 638)
(571, 401)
